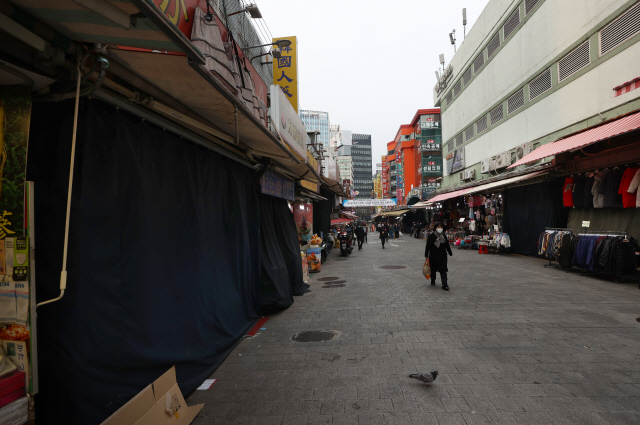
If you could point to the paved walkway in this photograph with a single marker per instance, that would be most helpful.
(513, 342)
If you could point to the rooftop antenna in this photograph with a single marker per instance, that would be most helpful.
(452, 37)
(464, 21)
(442, 61)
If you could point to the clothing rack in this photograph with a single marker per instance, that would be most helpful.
(555, 229)
(605, 233)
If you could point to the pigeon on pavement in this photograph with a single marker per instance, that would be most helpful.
(426, 377)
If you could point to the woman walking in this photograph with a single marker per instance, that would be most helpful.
(436, 250)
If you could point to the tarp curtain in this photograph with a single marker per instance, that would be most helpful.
(322, 212)
(281, 261)
(528, 210)
(611, 219)
(164, 267)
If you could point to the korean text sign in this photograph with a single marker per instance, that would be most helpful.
(285, 70)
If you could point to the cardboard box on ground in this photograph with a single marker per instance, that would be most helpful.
(159, 403)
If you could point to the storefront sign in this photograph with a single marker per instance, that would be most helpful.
(455, 161)
(303, 216)
(287, 122)
(432, 165)
(430, 124)
(285, 71)
(309, 185)
(15, 117)
(274, 184)
(431, 145)
(431, 183)
(313, 163)
(586, 224)
(356, 203)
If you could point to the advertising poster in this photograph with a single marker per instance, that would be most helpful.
(303, 216)
(15, 116)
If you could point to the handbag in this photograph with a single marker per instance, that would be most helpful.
(426, 269)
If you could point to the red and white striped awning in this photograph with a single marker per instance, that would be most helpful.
(627, 87)
(580, 140)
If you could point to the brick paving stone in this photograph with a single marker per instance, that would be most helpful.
(513, 342)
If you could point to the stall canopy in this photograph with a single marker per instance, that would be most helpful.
(585, 138)
(394, 213)
(333, 185)
(475, 189)
(340, 220)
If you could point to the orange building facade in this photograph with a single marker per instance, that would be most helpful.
(413, 164)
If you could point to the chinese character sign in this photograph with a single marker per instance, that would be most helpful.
(285, 70)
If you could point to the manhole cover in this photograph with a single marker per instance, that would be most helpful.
(326, 279)
(314, 336)
(393, 267)
(334, 286)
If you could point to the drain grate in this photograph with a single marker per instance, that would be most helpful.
(314, 336)
(326, 279)
(393, 267)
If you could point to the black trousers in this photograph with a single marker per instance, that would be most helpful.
(443, 277)
(382, 242)
(360, 242)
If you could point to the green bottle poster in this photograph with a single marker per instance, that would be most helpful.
(15, 116)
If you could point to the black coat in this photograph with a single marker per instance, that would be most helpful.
(384, 232)
(437, 256)
(360, 232)
(610, 186)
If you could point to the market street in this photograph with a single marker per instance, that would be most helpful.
(513, 343)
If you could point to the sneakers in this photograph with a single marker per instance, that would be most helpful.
(446, 288)
(433, 283)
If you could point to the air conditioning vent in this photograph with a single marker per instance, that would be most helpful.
(540, 84)
(497, 114)
(620, 30)
(468, 133)
(574, 61)
(485, 166)
(529, 5)
(481, 124)
(459, 140)
(457, 87)
(449, 97)
(512, 23)
(516, 101)
(524, 150)
(503, 160)
(466, 77)
(469, 174)
(477, 64)
(493, 45)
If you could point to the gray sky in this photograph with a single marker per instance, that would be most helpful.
(370, 64)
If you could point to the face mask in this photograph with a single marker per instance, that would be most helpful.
(439, 230)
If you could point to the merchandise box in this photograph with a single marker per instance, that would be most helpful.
(12, 397)
(161, 403)
(15, 413)
(11, 384)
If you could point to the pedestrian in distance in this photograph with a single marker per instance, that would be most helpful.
(436, 251)
(360, 236)
(384, 234)
(366, 231)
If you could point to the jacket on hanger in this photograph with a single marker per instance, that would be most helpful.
(587, 194)
(610, 186)
(567, 192)
(633, 187)
(598, 199)
(628, 199)
(579, 183)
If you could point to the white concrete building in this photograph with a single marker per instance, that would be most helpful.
(531, 71)
(345, 168)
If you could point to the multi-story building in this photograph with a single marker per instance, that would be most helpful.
(345, 168)
(523, 79)
(361, 154)
(415, 157)
(317, 121)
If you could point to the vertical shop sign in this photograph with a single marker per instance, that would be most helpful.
(285, 70)
(15, 117)
(303, 216)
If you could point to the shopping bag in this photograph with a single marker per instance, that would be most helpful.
(399, 234)
(426, 269)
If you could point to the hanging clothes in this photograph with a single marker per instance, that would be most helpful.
(598, 198)
(587, 194)
(633, 187)
(628, 199)
(610, 187)
(579, 183)
(567, 192)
